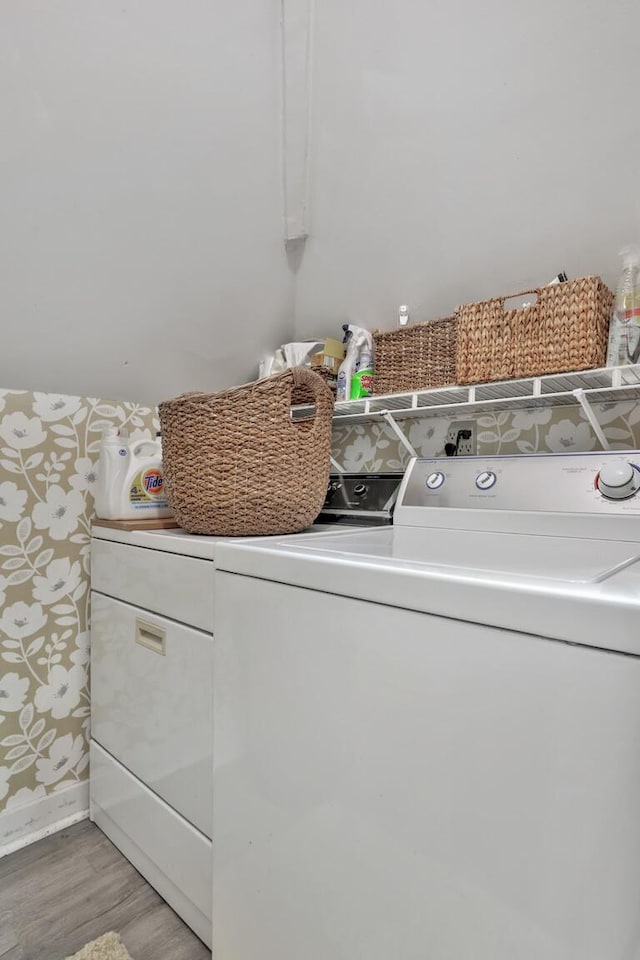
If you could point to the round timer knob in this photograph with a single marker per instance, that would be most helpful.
(617, 481)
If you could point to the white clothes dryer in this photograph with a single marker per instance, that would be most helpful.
(152, 691)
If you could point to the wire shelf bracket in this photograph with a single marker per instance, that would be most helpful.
(398, 432)
(582, 399)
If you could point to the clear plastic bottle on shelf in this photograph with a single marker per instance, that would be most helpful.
(624, 332)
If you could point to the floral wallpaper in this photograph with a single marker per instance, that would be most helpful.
(373, 447)
(48, 457)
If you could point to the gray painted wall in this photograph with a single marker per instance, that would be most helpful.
(457, 151)
(462, 150)
(141, 228)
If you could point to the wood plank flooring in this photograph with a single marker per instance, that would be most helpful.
(61, 892)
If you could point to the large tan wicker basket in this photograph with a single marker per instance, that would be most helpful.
(237, 464)
(565, 329)
(417, 357)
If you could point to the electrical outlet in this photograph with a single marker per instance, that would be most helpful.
(461, 439)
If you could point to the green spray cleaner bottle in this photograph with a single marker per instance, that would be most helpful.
(355, 376)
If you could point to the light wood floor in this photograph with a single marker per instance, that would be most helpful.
(70, 888)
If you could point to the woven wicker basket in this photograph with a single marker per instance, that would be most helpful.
(565, 329)
(237, 464)
(417, 357)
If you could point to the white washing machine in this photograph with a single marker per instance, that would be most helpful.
(427, 737)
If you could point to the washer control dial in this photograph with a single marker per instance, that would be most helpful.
(486, 480)
(435, 480)
(617, 481)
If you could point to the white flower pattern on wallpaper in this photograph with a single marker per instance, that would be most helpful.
(362, 449)
(61, 578)
(362, 452)
(49, 447)
(12, 501)
(429, 436)
(50, 407)
(21, 620)
(21, 432)
(59, 513)
(568, 437)
(86, 475)
(13, 692)
(64, 755)
(62, 693)
(374, 447)
(528, 419)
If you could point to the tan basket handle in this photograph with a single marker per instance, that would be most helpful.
(304, 377)
(522, 293)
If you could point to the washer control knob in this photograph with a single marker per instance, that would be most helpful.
(486, 480)
(617, 481)
(360, 489)
(435, 480)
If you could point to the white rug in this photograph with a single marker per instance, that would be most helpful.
(107, 947)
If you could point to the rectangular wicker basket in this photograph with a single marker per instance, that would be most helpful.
(417, 357)
(565, 329)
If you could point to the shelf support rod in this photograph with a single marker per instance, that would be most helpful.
(398, 432)
(336, 466)
(579, 394)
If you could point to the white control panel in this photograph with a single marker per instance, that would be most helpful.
(596, 483)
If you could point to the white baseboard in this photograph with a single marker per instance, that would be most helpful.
(19, 828)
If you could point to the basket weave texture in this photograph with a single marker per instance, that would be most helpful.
(237, 464)
(565, 329)
(418, 357)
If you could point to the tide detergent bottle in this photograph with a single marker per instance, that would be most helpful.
(130, 480)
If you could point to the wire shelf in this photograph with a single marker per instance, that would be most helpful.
(606, 385)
